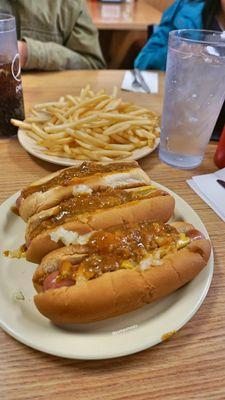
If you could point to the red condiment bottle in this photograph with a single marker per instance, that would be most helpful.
(219, 157)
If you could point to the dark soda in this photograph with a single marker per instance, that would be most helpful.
(11, 96)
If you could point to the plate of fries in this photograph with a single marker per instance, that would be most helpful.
(89, 126)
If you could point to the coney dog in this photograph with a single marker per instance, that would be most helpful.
(85, 212)
(51, 190)
(118, 270)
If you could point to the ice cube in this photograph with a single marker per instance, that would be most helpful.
(213, 55)
(212, 51)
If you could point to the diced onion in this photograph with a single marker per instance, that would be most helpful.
(82, 189)
(69, 237)
(146, 263)
(151, 260)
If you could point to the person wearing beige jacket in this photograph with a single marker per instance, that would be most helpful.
(55, 34)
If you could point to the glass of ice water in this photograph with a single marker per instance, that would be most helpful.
(194, 95)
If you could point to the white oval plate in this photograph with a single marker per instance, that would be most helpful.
(115, 337)
(34, 149)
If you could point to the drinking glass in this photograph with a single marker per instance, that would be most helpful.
(194, 94)
(11, 93)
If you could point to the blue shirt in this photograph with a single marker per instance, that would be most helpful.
(183, 14)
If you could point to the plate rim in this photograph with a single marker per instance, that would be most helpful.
(67, 162)
(118, 354)
(137, 347)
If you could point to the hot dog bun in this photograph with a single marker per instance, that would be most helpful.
(118, 292)
(52, 189)
(158, 207)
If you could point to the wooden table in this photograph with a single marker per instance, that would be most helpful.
(188, 366)
(123, 28)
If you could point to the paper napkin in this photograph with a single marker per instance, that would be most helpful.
(151, 78)
(207, 187)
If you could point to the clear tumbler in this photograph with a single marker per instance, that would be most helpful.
(194, 94)
(11, 92)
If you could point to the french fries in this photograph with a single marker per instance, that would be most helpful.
(91, 126)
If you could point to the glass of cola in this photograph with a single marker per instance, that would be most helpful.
(11, 92)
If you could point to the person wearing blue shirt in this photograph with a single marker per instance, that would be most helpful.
(183, 14)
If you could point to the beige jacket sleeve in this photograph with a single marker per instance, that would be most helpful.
(80, 51)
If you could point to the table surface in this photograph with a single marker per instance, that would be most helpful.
(188, 366)
(133, 15)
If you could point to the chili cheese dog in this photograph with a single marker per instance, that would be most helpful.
(118, 270)
(100, 209)
(51, 190)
